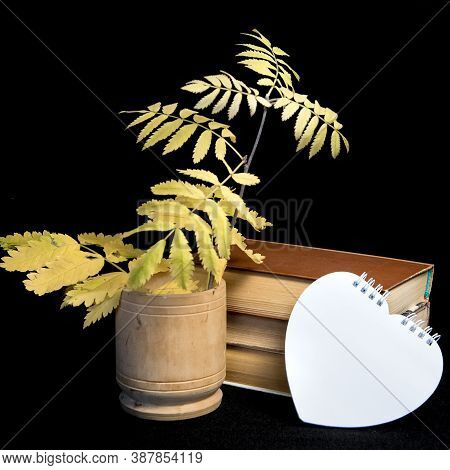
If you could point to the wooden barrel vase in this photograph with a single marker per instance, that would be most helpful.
(170, 353)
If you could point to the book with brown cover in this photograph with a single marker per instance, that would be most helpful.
(260, 299)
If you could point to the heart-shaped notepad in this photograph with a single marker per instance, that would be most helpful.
(349, 363)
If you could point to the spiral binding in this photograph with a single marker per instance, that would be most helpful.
(375, 293)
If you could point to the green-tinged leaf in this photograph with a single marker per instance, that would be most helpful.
(101, 310)
(73, 267)
(302, 120)
(245, 178)
(38, 253)
(235, 104)
(335, 144)
(146, 266)
(202, 175)
(220, 105)
(239, 240)
(17, 239)
(221, 148)
(96, 289)
(208, 255)
(207, 100)
(221, 227)
(202, 146)
(181, 260)
(308, 134)
(180, 138)
(319, 140)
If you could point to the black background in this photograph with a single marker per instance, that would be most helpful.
(69, 166)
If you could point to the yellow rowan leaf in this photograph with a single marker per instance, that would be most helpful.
(225, 80)
(150, 126)
(198, 118)
(181, 260)
(165, 206)
(73, 267)
(302, 120)
(207, 100)
(154, 108)
(319, 140)
(169, 108)
(208, 255)
(101, 310)
(330, 116)
(259, 66)
(347, 145)
(239, 240)
(289, 110)
(116, 251)
(213, 125)
(163, 132)
(234, 108)
(252, 104)
(265, 82)
(220, 105)
(254, 47)
(335, 144)
(146, 265)
(202, 175)
(318, 109)
(227, 133)
(96, 289)
(177, 188)
(256, 55)
(185, 113)
(281, 102)
(337, 125)
(142, 118)
(221, 227)
(214, 80)
(180, 138)
(245, 178)
(300, 98)
(162, 225)
(308, 134)
(39, 252)
(196, 86)
(264, 102)
(278, 51)
(202, 146)
(221, 148)
(17, 239)
(262, 38)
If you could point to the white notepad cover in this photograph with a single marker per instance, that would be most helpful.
(350, 363)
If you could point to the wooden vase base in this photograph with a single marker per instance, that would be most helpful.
(171, 412)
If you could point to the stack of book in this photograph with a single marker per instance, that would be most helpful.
(260, 298)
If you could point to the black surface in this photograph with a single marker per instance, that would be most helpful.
(69, 166)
